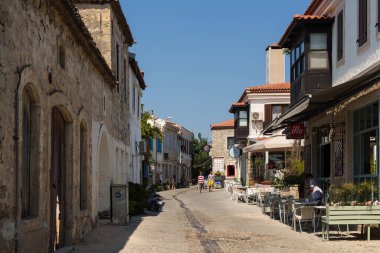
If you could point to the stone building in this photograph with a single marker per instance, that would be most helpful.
(222, 139)
(64, 135)
(108, 27)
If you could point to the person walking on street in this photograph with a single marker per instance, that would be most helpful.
(210, 179)
(201, 181)
(173, 183)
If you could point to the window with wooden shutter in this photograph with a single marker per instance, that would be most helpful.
(362, 22)
(267, 114)
(284, 108)
(340, 36)
(378, 16)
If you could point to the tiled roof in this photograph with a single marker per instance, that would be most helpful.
(223, 125)
(298, 19)
(313, 6)
(115, 4)
(238, 104)
(309, 17)
(270, 88)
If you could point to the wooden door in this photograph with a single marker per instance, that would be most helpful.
(57, 182)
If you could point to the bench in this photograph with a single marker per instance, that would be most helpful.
(350, 215)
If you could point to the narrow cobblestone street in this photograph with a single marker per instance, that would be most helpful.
(211, 222)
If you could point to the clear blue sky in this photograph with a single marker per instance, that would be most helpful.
(200, 55)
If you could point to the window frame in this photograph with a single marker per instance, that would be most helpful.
(278, 113)
(159, 145)
(297, 60)
(243, 118)
(125, 68)
(323, 141)
(117, 68)
(340, 35)
(229, 138)
(318, 50)
(378, 16)
(83, 181)
(358, 132)
(362, 23)
(30, 168)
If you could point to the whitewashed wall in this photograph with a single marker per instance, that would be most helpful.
(356, 60)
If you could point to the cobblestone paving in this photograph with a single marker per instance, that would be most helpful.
(211, 222)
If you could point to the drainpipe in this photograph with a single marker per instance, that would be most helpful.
(16, 138)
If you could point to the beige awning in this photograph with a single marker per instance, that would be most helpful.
(274, 143)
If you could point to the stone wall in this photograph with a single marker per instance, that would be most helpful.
(219, 145)
(31, 35)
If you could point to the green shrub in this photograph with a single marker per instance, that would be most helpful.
(351, 194)
(138, 198)
(344, 194)
(363, 191)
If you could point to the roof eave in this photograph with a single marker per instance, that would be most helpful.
(295, 24)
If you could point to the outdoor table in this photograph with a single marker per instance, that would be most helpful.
(303, 203)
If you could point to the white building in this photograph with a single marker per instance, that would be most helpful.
(336, 95)
(136, 87)
(185, 140)
(172, 154)
(256, 108)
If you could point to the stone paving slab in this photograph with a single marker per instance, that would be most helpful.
(212, 223)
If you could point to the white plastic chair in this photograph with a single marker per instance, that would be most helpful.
(303, 214)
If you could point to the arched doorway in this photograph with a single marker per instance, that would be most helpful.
(57, 181)
(104, 178)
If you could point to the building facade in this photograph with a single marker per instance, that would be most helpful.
(107, 25)
(172, 153)
(62, 102)
(185, 160)
(339, 43)
(222, 140)
(136, 87)
(256, 108)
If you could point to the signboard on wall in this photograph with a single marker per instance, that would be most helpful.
(296, 131)
(234, 152)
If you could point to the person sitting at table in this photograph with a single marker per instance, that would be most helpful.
(316, 193)
(310, 180)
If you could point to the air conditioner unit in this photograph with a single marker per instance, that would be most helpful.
(257, 116)
(142, 147)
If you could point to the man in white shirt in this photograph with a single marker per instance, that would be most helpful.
(316, 193)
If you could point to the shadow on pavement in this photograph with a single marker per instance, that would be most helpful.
(111, 238)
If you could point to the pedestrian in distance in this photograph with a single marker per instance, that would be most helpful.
(173, 183)
(201, 181)
(210, 179)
